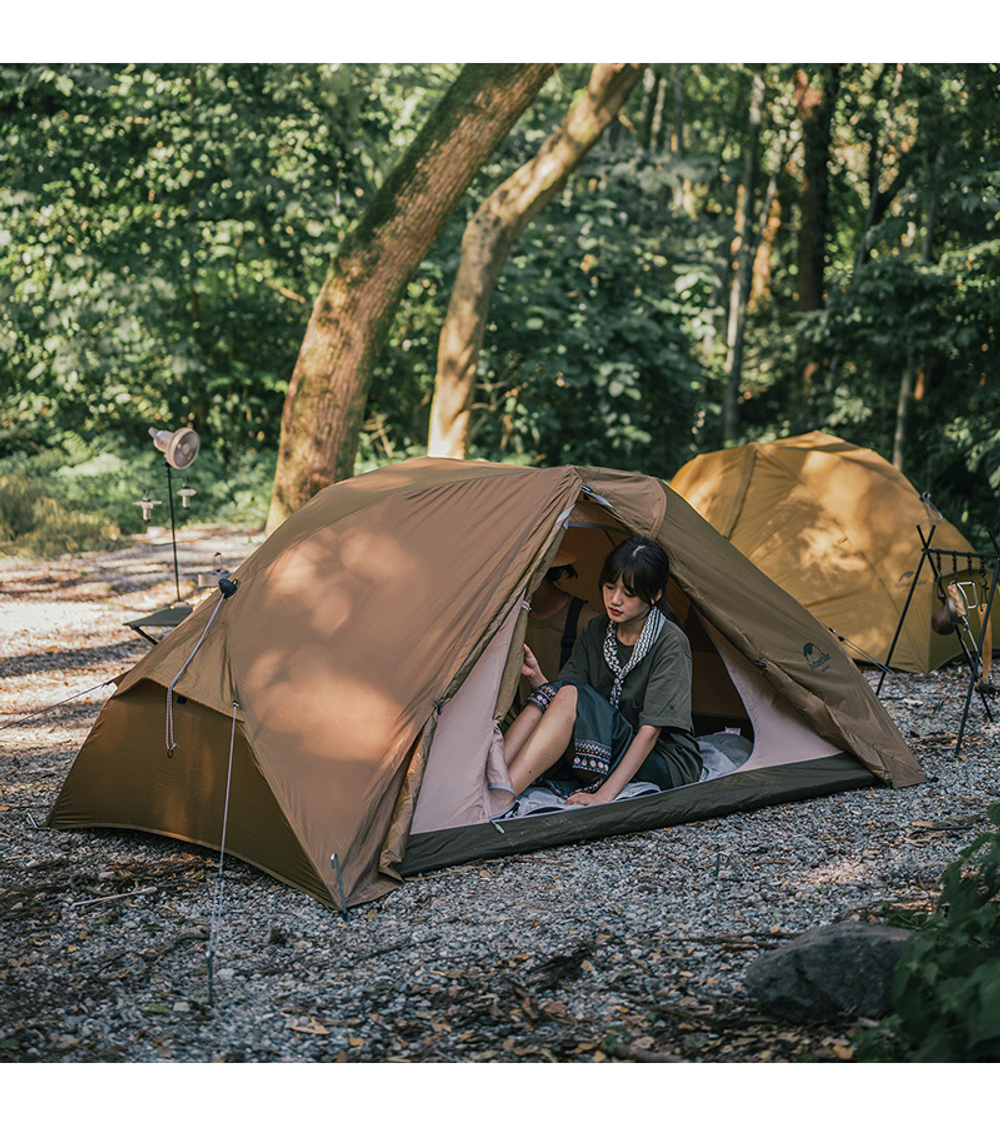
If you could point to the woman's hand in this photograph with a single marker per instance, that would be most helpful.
(531, 669)
(582, 797)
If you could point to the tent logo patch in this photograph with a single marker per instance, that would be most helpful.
(816, 658)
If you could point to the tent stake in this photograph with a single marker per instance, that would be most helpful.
(335, 863)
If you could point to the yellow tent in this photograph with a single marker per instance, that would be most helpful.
(835, 525)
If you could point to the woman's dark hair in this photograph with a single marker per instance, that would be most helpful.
(642, 565)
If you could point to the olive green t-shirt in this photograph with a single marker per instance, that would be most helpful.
(657, 692)
(544, 636)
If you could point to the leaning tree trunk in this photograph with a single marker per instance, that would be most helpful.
(488, 238)
(324, 407)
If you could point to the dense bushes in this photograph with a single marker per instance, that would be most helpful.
(82, 496)
(36, 525)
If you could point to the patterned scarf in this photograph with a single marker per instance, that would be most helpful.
(650, 631)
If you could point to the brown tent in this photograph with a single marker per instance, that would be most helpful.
(342, 701)
(835, 525)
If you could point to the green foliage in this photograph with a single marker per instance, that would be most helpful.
(589, 355)
(83, 496)
(164, 230)
(35, 525)
(593, 350)
(946, 991)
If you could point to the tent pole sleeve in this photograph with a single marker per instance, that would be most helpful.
(749, 458)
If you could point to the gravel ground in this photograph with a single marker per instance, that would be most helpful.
(632, 948)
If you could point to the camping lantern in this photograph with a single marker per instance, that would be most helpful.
(147, 506)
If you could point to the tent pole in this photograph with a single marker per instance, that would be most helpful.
(173, 529)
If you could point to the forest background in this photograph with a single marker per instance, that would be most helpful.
(748, 251)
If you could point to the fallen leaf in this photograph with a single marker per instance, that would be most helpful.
(311, 1027)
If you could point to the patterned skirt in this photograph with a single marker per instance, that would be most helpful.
(601, 735)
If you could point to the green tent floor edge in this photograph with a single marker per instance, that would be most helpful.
(736, 792)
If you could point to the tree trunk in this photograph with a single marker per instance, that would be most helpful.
(876, 160)
(324, 407)
(742, 276)
(815, 105)
(650, 86)
(907, 379)
(760, 290)
(683, 189)
(488, 238)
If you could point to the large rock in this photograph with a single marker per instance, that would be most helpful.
(834, 972)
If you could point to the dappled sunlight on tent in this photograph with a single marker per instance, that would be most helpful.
(836, 526)
(312, 696)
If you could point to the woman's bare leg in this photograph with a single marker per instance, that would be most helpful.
(520, 730)
(546, 743)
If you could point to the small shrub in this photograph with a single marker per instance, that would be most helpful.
(18, 497)
(946, 989)
(35, 525)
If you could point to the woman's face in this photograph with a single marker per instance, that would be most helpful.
(623, 607)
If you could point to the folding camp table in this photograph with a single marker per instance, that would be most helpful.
(165, 619)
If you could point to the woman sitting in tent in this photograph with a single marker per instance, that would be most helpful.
(621, 708)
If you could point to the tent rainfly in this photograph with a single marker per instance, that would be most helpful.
(835, 525)
(339, 711)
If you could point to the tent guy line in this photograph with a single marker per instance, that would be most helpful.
(61, 703)
(219, 890)
(226, 591)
